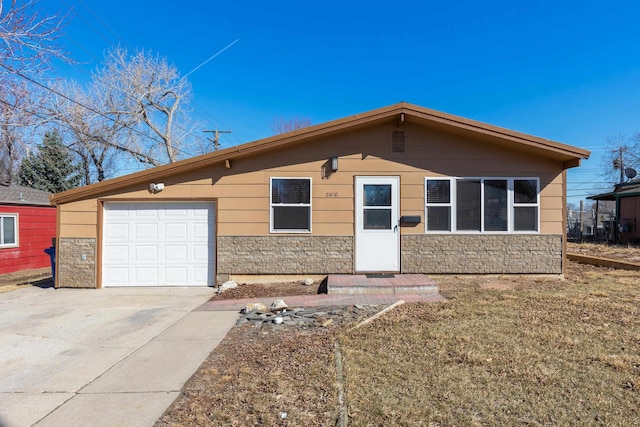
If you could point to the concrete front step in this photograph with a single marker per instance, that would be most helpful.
(359, 284)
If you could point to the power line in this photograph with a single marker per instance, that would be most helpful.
(102, 22)
(93, 110)
(102, 36)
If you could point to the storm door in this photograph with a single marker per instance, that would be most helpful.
(377, 224)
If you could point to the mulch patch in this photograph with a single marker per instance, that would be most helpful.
(264, 290)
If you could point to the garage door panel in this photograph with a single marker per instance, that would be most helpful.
(145, 276)
(117, 276)
(146, 253)
(201, 230)
(176, 275)
(200, 274)
(176, 213)
(120, 232)
(201, 252)
(116, 253)
(144, 211)
(146, 231)
(119, 212)
(175, 253)
(176, 231)
(159, 243)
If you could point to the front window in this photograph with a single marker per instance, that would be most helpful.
(438, 205)
(291, 205)
(468, 205)
(8, 230)
(525, 205)
(472, 205)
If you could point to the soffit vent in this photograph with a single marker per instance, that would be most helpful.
(398, 141)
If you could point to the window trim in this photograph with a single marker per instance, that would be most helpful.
(271, 205)
(17, 230)
(511, 205)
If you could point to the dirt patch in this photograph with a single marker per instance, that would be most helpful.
(263, 290)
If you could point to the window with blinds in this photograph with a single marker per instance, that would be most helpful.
(482, 205)
(290, 203)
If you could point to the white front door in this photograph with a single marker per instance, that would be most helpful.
(377, 224)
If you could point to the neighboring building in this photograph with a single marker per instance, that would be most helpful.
(398, 189)
(27, 227)
(627, 198)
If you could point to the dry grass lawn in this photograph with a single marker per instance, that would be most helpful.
(567, 354)
(501, 351)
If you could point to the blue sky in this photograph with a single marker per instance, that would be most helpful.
(563, 70)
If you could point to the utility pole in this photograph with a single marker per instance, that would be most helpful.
(580, 224)
(619, 162)
(216, 135)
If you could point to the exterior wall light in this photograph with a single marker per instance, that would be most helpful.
(334, 163)
(156, 188)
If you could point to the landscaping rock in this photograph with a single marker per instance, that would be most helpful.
(230, 284)
(278, 305)
(255, 306)
(308, 282)
(327, 323)
(308, 317)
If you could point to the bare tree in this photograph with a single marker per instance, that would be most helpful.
(148, 95)
(27, 44)
(624, 155)
(28, 38)
(281, 125)
(92, 131)
(83, 131)
(14, 123)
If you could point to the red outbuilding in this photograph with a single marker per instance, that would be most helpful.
(27, 226)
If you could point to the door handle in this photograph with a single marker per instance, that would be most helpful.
(395, 228)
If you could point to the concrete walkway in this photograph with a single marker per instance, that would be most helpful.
(77, 357)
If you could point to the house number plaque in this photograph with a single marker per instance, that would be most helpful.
(332, 194)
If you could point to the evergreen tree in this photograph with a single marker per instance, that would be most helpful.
(51, 168)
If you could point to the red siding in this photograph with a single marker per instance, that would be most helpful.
(37, 226)
(630, 216)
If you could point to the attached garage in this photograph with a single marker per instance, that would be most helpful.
(158, 244)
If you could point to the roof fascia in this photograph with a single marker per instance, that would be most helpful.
(574, 154)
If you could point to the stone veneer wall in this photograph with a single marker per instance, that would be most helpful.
(73, 271)
(482, 254)
(284, 255)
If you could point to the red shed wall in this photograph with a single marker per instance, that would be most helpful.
(37, 226)
(630, 216)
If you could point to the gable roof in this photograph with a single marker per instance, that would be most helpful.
(400, 113)
(17, 195)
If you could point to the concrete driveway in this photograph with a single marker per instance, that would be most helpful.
(85, 357)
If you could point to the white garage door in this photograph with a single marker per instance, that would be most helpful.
(158, 244)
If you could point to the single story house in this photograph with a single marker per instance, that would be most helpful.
(398, 189)
(27, 227)
(627, 198)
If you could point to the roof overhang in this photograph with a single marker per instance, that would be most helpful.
(604, 196)
(570, 156)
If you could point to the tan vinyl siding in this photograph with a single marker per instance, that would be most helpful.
(77, 230)
(242, 191)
